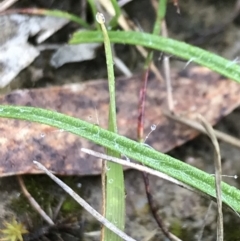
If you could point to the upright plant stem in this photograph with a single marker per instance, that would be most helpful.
(161, 10)
(93, 8)
(113, 23)
(115, 197)
(141, 106)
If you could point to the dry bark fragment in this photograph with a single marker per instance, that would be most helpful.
(195, 90)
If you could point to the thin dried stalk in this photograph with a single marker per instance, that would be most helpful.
(33, 202)
(6, 4)
(218, 174)
(195, 125)
(84, 204)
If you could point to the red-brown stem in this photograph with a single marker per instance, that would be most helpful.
(140, 132)
(153, 207)
(141, 106)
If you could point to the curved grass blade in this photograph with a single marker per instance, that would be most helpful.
(49, 12)
(183, 172)
(188, 52)
(114, 21)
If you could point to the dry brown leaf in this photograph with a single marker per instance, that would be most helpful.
(16, 53)
(195, 90)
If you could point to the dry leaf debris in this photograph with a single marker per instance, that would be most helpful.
(195, 90)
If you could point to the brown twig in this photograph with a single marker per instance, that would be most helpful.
(139, 168)
(204, 221)
(143, 169)
(218, 174)
(33, 202)
(140, 130)
(195, 125)
(6, 4)
(57, 209)
(141, 105)
(153, 207)
(166, 67)
(141, 111)
(84, 204)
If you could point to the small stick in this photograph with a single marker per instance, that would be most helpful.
(153, 207)
(145, 170)
(160, 11)
(204, 221)
(136, 166)
(141, 105)
(33, 202)
(218, 174)
(166, 67)
(84, 204)
(195, 125)
(140, 129)
(122, 66)
(57, 209)
(6, 4)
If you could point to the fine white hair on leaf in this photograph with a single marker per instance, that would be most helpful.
(189, 61)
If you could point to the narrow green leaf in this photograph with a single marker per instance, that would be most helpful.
(223, 66)
(93, 7)
(71, 17)
(54, 13)
(181, 171)
(114, 21)
(115, 196)
(161, 12)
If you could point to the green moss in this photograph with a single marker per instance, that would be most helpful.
(181, 232)
(13, 231)
(47, 194)
(70, 206)
(176, 228)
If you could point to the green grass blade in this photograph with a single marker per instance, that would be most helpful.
(114, 21)
(161, 12)
(93, 7)
(174, 168)
(115, 195)
(53, 13)
(171, 46)
(71, 17)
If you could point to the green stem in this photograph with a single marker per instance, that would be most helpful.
(115, 196)
(114, 21)
(161, 11)
(93, 7)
